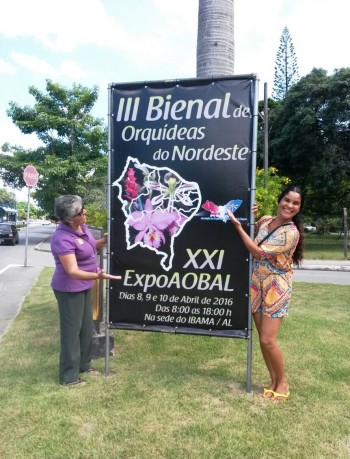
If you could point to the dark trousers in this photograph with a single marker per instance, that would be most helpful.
(76, 330)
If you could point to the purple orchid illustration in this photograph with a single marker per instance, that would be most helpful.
(151, 224)
(157, 203)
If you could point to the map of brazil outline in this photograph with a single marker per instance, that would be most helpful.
(157, 203)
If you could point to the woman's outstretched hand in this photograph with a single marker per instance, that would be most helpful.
(233, 219)
(111, 277)
(102, 275)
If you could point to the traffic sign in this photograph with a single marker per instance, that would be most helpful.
(30, 175)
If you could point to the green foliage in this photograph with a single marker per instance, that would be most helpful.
(310, 139)
(326, 225)
(97, 216)
(268, 187)
(7, 198)
(34, 211)
(286, 68)
(272, 106)
(72, 158)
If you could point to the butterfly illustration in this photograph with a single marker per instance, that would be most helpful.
(220, 212)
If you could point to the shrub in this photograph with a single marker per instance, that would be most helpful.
(268, 188)
(326, 225)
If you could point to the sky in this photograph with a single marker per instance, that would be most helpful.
(98, 42)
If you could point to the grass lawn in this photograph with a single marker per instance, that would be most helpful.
(179, 396)
(324, 247)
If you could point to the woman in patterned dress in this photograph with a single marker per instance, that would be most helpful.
(278, 244)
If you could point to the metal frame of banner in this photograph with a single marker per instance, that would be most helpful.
(126, 326)
(109, 182)
(253, 187)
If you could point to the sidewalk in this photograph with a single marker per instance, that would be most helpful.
(16, 281)
(326, 265)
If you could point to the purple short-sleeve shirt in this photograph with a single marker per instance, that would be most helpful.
(66, 241)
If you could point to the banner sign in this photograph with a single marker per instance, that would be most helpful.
(180, 156)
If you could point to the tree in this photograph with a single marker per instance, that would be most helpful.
(272, 104)
(22, 208)
(7, 198)
(310, 139)
(286, 67)
(215, 38)
(72, 158)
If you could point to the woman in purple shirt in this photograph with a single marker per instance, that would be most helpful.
(74, 250)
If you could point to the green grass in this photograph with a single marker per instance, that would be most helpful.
(179, 396)
(324, 247)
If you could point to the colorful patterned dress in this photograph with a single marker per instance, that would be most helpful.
(271, 285)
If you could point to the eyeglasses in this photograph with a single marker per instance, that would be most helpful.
(79, 214)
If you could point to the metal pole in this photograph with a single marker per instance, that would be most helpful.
(109, 180)
(251, 224)
(266, 135)
(346, 239)
(26, 246)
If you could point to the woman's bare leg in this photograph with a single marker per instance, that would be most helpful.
(268, 329)
(272, 386)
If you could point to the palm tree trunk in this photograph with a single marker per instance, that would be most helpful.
(215, 38)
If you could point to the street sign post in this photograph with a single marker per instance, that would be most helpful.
(31, 177)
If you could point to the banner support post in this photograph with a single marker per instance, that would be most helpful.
(251, 227)
(109, 181)
(27, 225)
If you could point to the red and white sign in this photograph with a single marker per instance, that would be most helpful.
(30, 176)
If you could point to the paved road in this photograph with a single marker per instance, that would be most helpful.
(324, 271)
(16, 279)
(324, 276)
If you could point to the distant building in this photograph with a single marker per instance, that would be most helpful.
(7, 214)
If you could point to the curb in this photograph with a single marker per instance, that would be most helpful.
(44, 246)
(323, 268)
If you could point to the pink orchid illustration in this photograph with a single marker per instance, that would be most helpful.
(211, 207)
(131, 185)
(151, 224)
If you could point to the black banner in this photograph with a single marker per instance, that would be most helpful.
(180, 155)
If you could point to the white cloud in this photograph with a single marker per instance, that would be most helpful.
(157, 33)
(60, 27)
(71, 70)
(156, 39)
(66, 68)
(320, 35)
(319, 31)
(164, 36)
(34, 64)
(6, 68)
(9, 133)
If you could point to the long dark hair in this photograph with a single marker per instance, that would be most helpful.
(297, 220)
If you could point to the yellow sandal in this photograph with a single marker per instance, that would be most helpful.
(266, 392)
(283, 397)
